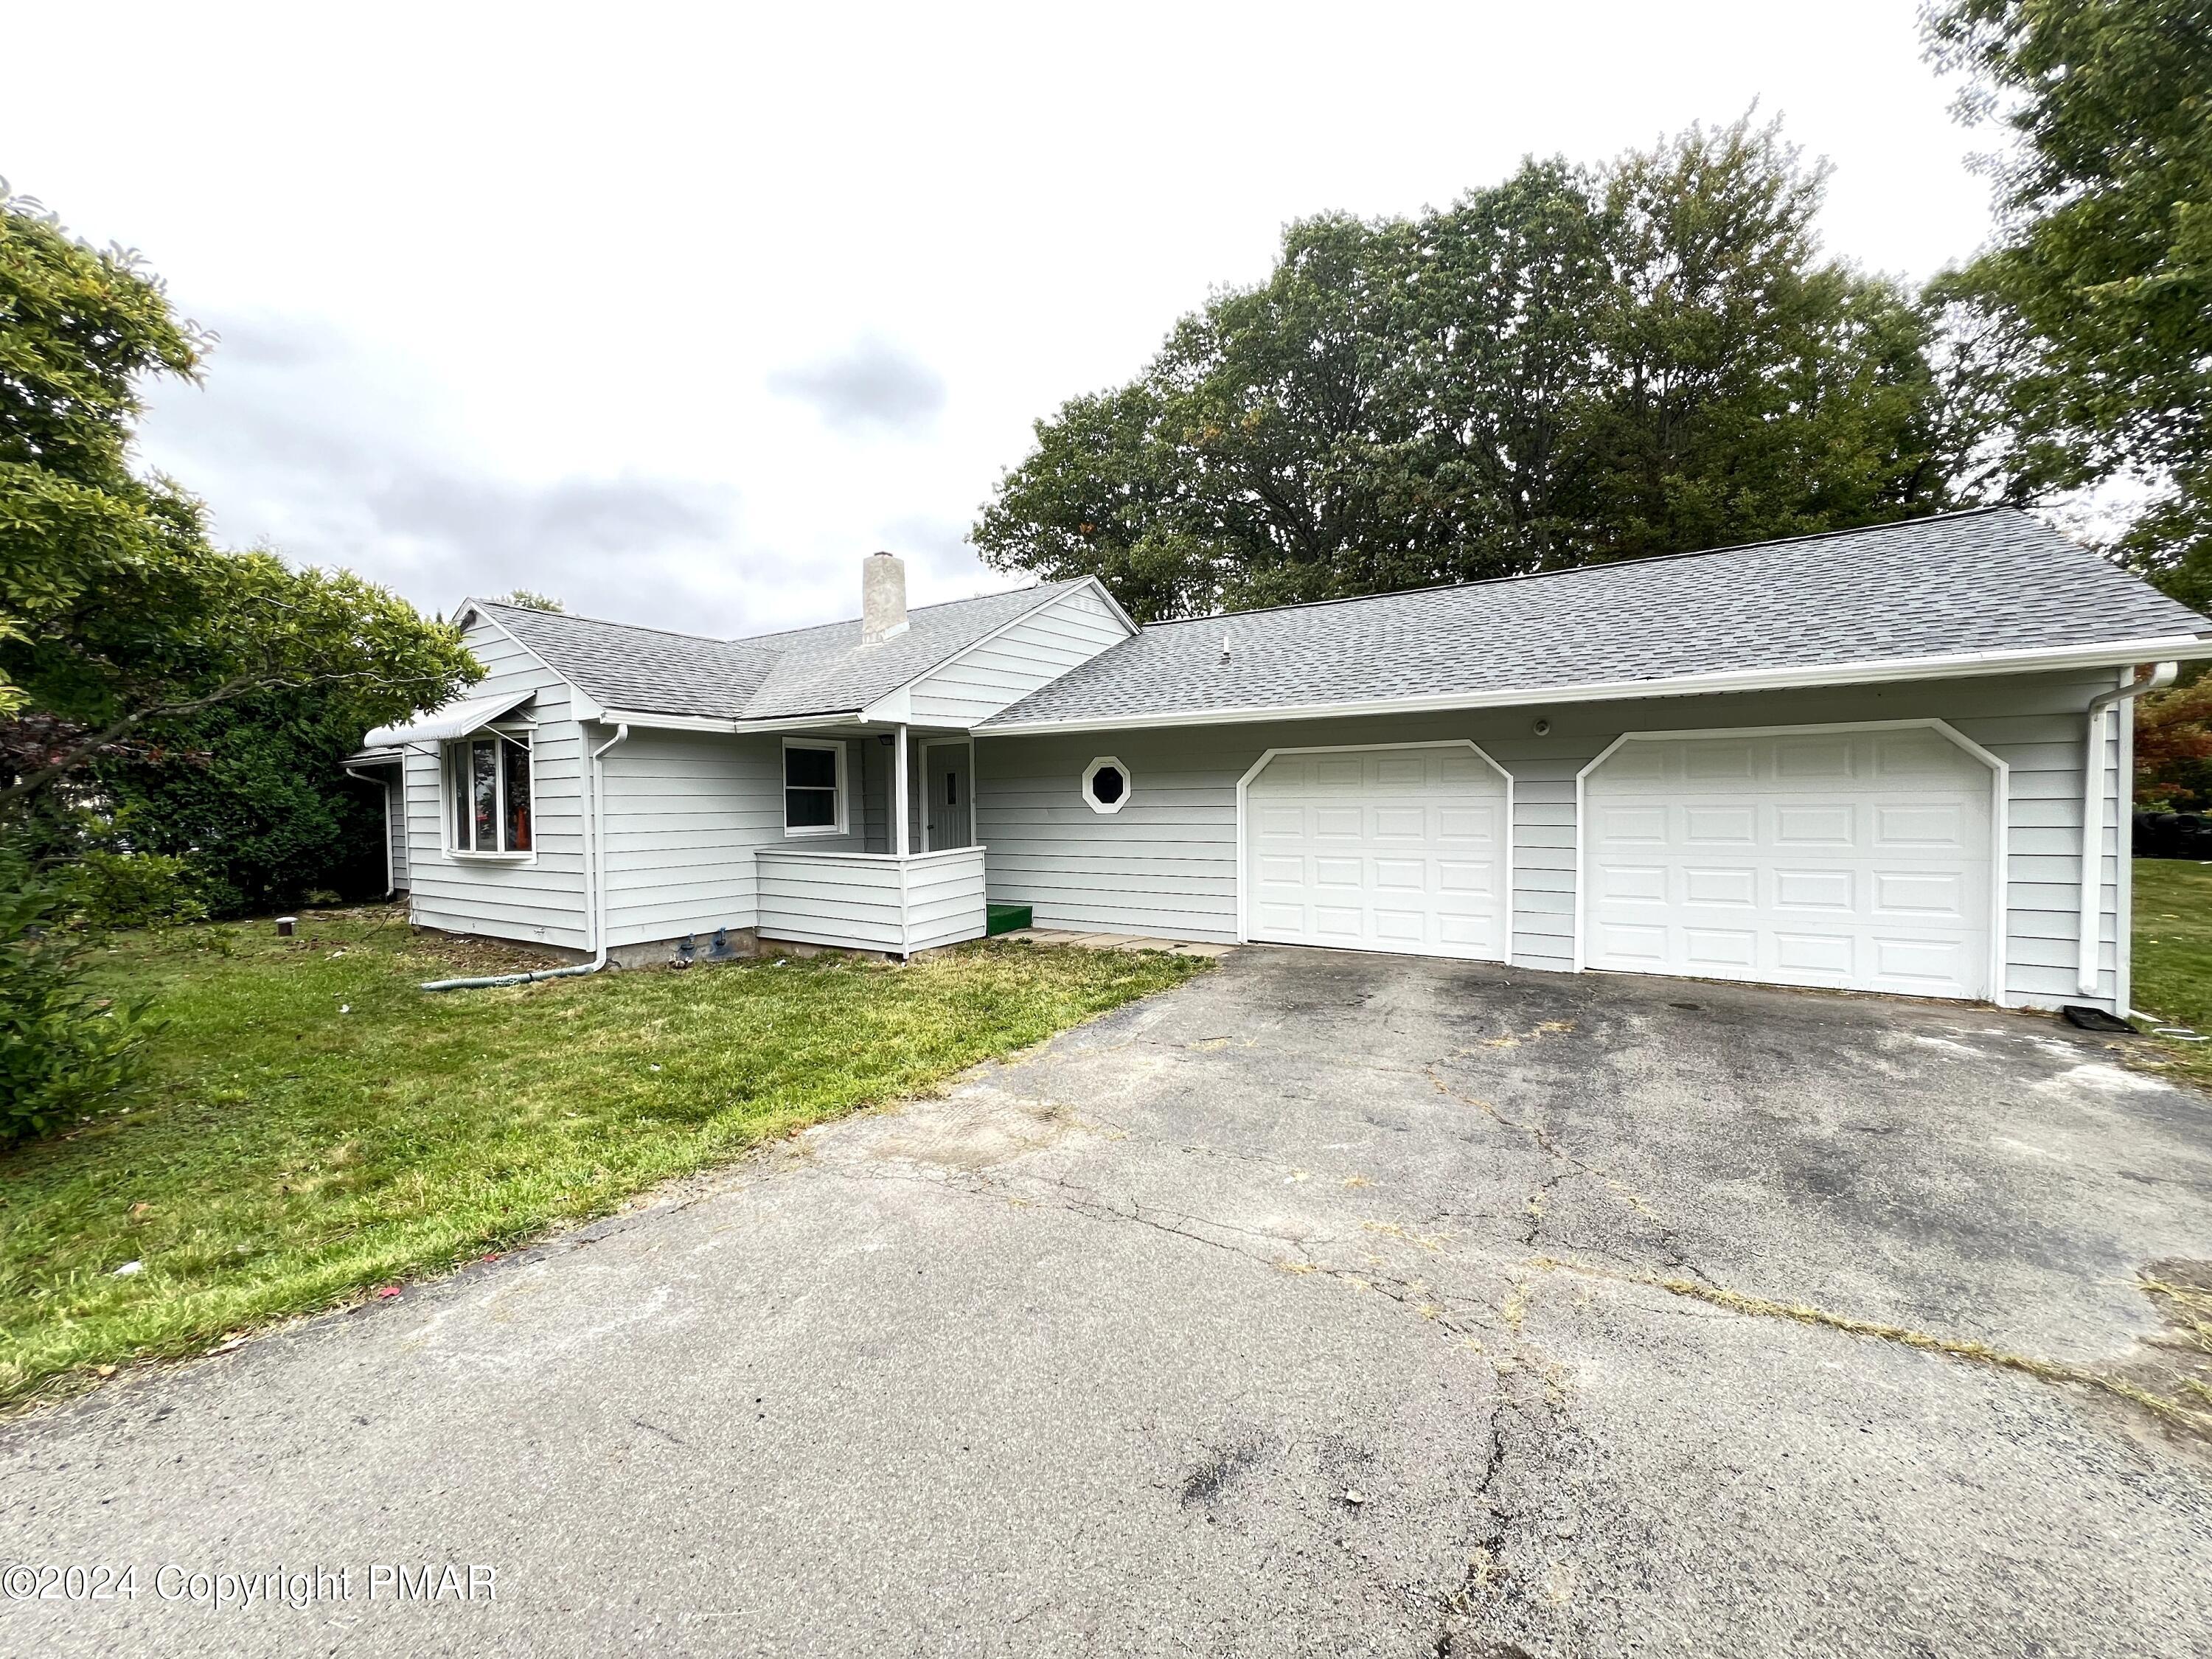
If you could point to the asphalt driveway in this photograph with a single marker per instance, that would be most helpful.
(1319, 1307)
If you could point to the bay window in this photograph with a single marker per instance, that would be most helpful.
(488, 800)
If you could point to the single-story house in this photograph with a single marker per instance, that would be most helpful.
(1861, 760)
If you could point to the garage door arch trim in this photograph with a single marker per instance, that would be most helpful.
(2000, 793)
(1244, 783)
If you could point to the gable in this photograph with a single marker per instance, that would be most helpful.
(828, 670)
(772, 677)
(1002, 668)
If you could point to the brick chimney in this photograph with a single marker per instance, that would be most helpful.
(882, 598)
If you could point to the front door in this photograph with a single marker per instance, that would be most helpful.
(949, 811)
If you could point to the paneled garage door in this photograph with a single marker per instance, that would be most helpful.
(1378, 849)
(1857, 860)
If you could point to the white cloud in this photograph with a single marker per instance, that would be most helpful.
(301, 443)
(600, 303)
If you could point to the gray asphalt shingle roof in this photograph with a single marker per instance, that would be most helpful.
(1990, 580)
(806, 671)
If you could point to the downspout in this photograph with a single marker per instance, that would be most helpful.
(2093, 816)
(391, 885)
(595, 891)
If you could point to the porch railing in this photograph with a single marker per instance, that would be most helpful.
(872, 901)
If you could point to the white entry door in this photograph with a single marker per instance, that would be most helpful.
(1856, 859)
(949, 816)
(1378, 849)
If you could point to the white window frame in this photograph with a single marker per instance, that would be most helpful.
(521, 737)
(1091, 772)
(797, 832)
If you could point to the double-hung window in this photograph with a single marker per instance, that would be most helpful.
(813, 787)
(487, 797)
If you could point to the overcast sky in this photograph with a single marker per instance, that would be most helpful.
(675, 312)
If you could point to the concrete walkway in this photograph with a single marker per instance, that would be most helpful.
(1178, 947)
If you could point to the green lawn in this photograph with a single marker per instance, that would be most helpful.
(2173, 954)
(317, 1126)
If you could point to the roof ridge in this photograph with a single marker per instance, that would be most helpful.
(748, 638)
(603, 621)
(935, 605)
(1588, 569)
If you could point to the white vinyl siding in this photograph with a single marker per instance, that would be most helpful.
(849, 899)
(873, 761)
(1167, 865)
(684, 814)
(944, 897)
(870, 901)
(540, 901)
(1003, 669)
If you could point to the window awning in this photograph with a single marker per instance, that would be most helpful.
(455, 720)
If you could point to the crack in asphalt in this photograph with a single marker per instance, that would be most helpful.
(2175, 1413)
(1527, 1389)
(1547, 1142)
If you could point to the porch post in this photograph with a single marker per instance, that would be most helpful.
(898, 795)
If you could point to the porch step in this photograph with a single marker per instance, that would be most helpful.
(1004, 919)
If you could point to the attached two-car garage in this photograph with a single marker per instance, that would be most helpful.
(1854, 858)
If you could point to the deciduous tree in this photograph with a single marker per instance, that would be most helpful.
(154, 688)
(2102, 267)
(1576, 364)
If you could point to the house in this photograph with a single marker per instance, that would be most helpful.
(1861, 760)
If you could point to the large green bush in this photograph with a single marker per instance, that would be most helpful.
(62, 1047)
(112, 890)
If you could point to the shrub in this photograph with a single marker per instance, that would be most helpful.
(134, 890)
(62, 1047)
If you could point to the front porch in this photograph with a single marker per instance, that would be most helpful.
(893, 902)
(893, 867)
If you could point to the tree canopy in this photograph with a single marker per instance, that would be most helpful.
(156, 690)
(2102, 269)
(79, 327)
(1576, 364)
(528, 600)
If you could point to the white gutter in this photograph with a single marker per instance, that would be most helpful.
(2092, 817)
(595, 890)
(2119, 654)
(646, 720)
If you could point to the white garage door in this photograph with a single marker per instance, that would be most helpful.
(1857, 860)
(1378, 849)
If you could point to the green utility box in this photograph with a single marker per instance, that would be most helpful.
(1005, 918)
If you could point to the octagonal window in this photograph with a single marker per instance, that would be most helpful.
(1106, 785)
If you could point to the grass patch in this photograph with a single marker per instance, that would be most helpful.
(317, 1126)
(2174, 956)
